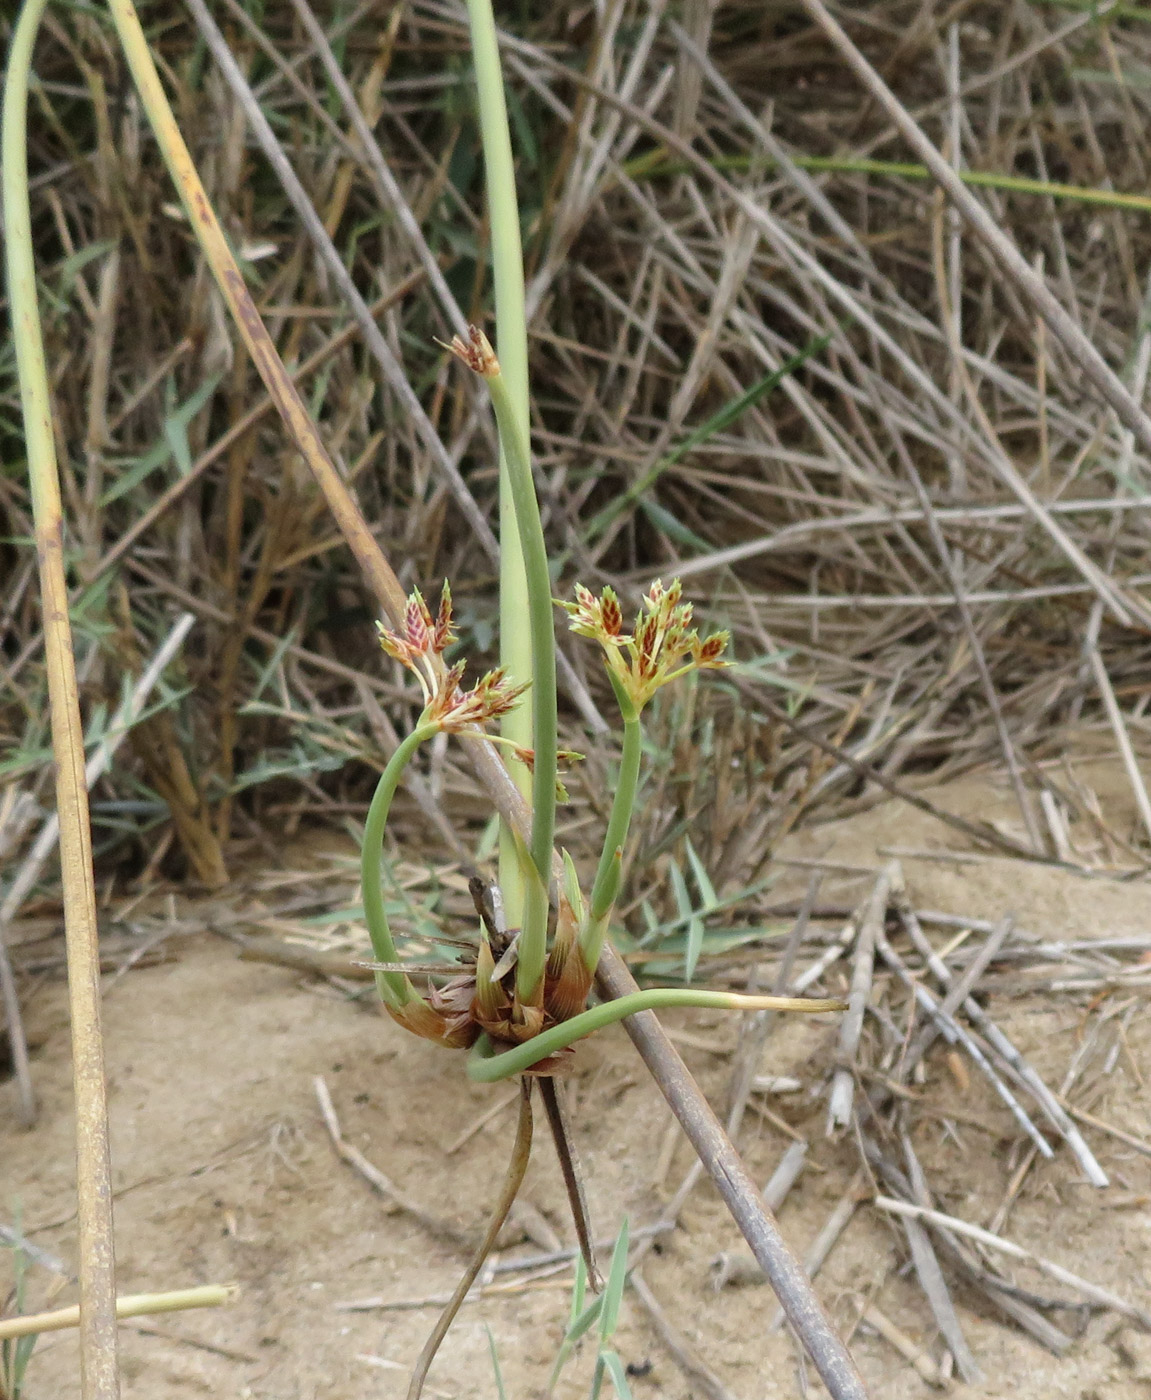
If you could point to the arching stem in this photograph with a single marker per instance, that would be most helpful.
(394, 987)
(486, 1065)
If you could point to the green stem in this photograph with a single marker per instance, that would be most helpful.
(606, 886)
(486, 1065)
(512, 342)
(394, 987)
(657, 163)
(541, 630)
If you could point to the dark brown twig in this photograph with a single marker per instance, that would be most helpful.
(551, 1092)
(800, 1302)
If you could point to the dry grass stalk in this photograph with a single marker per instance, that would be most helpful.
(1014, 265)
(1103, 1297)
(209, 1295)
(96, 1315)
(870, 924)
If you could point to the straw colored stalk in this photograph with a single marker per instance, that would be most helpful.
(230, 280)
(97, 1271)
(209, 1295)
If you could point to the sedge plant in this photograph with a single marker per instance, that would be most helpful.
(522, 1000)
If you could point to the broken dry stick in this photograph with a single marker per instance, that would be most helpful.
(1093, 1291)
(210, 1295)
(903, 1344)
(851, 1027)
(1003, 1046)
(954, 1033)
(930, 1274)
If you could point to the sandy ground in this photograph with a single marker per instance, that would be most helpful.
(224, 1172)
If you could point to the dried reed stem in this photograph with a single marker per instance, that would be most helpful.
(97, 1267)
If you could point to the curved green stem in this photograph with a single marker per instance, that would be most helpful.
(486, 1065)
(394, 987)
(541, 626)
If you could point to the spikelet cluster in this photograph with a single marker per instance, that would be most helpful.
(419, 646)
(661, 646)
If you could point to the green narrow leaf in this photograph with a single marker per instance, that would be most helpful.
(176, 423)
(688, 916)
(496, 1363)
(694, 946)
(615, 1369)
(679, 889)
(73, 265)
(580, 1320)
(265, 676)
(613, 1290)
(597, 1379)
(702, 882)
(579, 1289)
(673, 527)
(141, 467)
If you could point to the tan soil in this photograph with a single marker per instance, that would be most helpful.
(224, 1172)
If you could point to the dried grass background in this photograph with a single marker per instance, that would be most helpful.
(852, 525)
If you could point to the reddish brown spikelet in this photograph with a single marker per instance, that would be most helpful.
(611, 615)
(498, 694)
(442, 635)
(645, 634)
(476, 352)
(418, 623)
(713, 648)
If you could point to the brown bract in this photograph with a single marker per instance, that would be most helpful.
(476, 352)
(453, 1015)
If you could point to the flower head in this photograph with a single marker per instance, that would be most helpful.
(476, 352)
(420, 643)
(421, 638)
(492, 696)
(661, 647)
(599, 618)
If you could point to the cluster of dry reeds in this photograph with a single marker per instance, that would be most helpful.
(901, 533)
